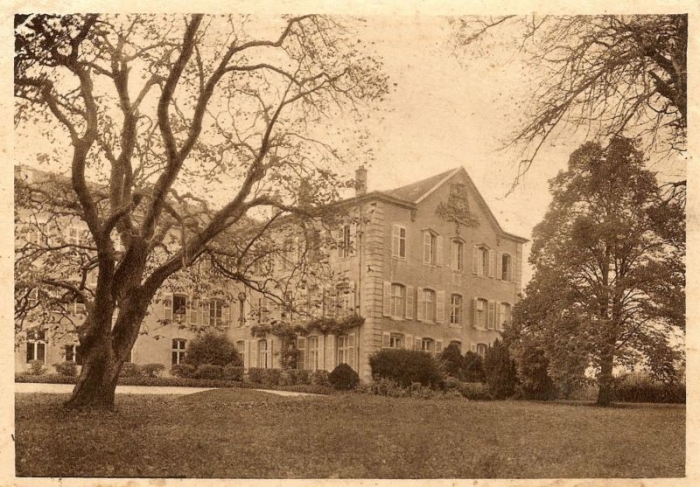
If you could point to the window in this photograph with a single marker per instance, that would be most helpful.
(216, 307)
(263, 311)
(506, 268)
(73, 236)
(480, 314)
(312, 343)
(345, 350)
(428, 304)
(178, 352)
(458, 344)
(36, 345)
(240, 348)
(504, 315)
(481, 349)
(429, 248)
(179, 307)
(398, 241)
(457, 255)
(398, 300)
(481, 261)
(345, 243)
(301, 353)
(241, 309)
(72, 354)
(428, 345)
(396, 340)
(455, 309)
(263, 362)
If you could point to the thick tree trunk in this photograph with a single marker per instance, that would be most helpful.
(97, 382)
(605, 381)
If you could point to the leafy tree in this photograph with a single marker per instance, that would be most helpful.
(452, 360)
(594, 299)
(154, 115)
(607, 74)
(212, 348)
(472, 368)
(500, 372)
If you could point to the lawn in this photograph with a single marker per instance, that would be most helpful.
(242, 433)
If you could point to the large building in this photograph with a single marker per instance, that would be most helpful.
(424, 265)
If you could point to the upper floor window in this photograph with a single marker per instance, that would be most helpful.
(457, 255)
(480, 314)
(345, 243)
(456, 309)
(179, 307)
(178, 351)
(398, 300)
(428, 303)
(506, 272)
(504, 315)
(432, 248)
(74, 236)
(481, 262)
(36, 345)
(215, 312)
(398, 241)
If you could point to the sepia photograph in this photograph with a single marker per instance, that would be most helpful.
(313, 244)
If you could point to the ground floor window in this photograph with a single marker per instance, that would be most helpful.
(36, 345)
(428, 345)
(178, 352)
(345, 347)
(458, 344)
(72, 354)
(481, 349)
(312, 348)
(396, 340)
(301, 353)
(263, 355)
(240, 348)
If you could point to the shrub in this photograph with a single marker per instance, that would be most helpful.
(208, 371)
(130, 369)
(298, 377)
(474, 391)
(501, 376)
(256, 375)
(319, 378)
(233, 372)
(649, 391)
(452, 360)
(184, 371)
(69, 369)
(212, 349)
(153, 370)
(36, 367)
(535, 382)
(472, 368)
(344, 378)
(406, 367)
(271, 377)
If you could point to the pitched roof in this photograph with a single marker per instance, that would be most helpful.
(415, 192)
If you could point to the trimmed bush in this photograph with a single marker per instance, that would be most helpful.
(208, 371)
(344, 378)
(474, 391)
(501, 375)
(298, 377)
(452, 360)
(69, 369)
(36, 367)
(233, 372)
(153, 370)
(535, 382)
(648, 391)
(212, 349)
(319, 378)
(130, 369)
(271, 377)
(406, 367)
(184, 371)
(256, 375)
(472, 368)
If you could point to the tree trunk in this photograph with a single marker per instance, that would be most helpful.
(97, 382)
(605, 381)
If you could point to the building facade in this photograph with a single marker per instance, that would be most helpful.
(424, 265)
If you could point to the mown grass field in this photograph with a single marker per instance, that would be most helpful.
(237, 433)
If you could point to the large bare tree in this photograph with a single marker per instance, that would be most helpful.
(150, 115)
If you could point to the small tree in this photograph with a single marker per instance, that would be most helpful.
(535, 382)
(473, 368)
(452, 360)
(501, 375)
(212, 348)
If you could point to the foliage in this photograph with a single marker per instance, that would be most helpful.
(534, 381)
(475, 391)
(452, 360)
(69, 369)
(334, 326)
(605, 74)
(153, 370)
(406, 367)
(153, 117)
(183, 370)
(256, 375)
(130, 369)
(649, 391)
(209, 371)
(598, 255)
(212, 348)
(472, 368)
(233, 372)
(319, 378)
(297, 376)
(344, 378)
(499, 368)
(271, 377)
(36, 367)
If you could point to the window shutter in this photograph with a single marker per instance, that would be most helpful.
(385, 339)
(499, 265)
(475, 260)
(472, 347)
(491, 318)
(352, 352)
(410, 304)
(499, 319)
(409, 342)
(438, 346)
(353, 239)
(168, 306)
(417, 343)
(420, 311)
(270, 355)
(387, 298)
(226, 314)
(440, 307)
(41, 351)
(330, 352)
(246, 311)
(193, 305)
(426, 247)
(438, 252)
(254, 347)
(351, 298)
(475, 312)
(491, 259)
(395, 241)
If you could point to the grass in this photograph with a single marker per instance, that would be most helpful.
(239, 433)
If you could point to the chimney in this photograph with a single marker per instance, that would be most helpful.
(360, 181)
